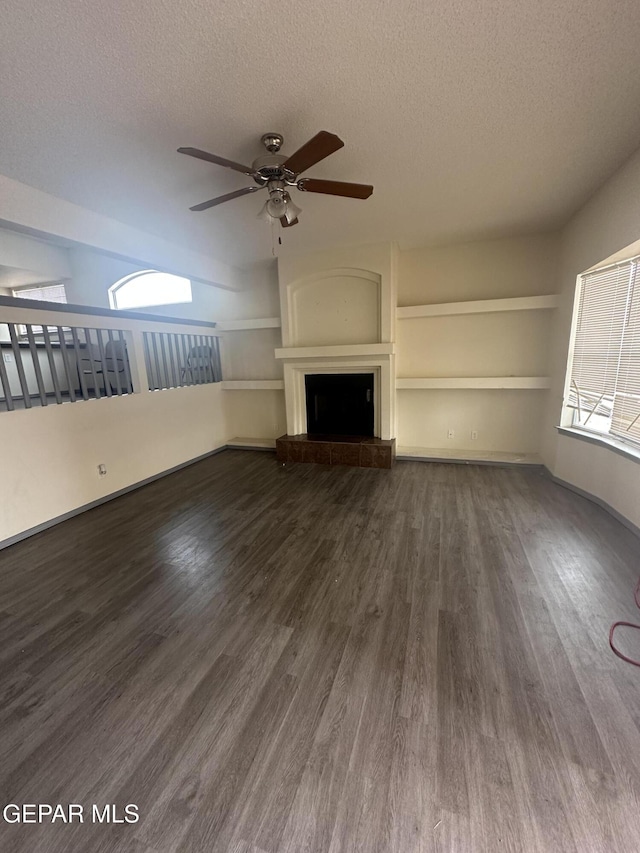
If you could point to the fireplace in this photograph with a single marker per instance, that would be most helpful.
(338, 354)
(339, 404)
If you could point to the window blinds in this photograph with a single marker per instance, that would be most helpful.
(605, 368)
(626, 406)
(41, 293)
(44, 293)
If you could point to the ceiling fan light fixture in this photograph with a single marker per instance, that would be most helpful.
(276, 206)
(263, 214)
(292, 211)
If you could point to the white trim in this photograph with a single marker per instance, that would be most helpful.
(243, 443)
(484, 306)
(35, 313)
(247, 325)
(493, 457)
(253, 385)
(383, 369)
(498, 382)
(338, 351)
(631, 451)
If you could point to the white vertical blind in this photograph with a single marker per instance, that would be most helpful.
(605, 368)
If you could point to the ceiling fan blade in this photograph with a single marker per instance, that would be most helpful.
(285, 222)
(316, 149)
(312, 185)
(219, 161)
(205, 205)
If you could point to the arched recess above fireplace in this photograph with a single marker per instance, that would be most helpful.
(333, 307)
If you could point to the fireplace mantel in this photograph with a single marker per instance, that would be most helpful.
(342, 350)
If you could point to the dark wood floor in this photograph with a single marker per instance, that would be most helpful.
(324, 659)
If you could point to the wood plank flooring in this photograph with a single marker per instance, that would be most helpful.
(278, 660)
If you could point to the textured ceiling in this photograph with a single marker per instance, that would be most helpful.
(471, 117)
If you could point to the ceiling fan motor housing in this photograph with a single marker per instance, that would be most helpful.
(269, 168)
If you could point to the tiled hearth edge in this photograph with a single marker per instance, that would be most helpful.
(368, 453)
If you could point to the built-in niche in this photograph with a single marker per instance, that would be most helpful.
(340, 306)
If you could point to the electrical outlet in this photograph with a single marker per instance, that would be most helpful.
(474, 435)
(450, 434)
(8, 357)
(102, 470)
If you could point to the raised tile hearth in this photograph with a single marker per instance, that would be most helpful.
(357, 451)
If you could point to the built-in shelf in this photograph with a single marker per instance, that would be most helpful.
(491, 457)
(336, 351)
(500, 382)
(247, 325)
(253, 385)
(484, 306)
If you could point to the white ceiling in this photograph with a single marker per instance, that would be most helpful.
(470, 117)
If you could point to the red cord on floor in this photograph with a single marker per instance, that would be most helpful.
(615, 625)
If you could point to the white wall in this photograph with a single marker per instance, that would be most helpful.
(506, 421)
(471, 345)
(50, 262)
(92, 273)
(606, 224)
(27, 209)
(255, 414)
(249, 354)
(513, 343)
(49, 456)
(488, 269)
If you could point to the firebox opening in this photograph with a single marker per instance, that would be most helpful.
(339, 403)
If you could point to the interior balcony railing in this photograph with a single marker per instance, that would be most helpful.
(51, 353)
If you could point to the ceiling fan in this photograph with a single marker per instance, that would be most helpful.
(277, 173)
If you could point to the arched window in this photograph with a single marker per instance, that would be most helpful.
(149, 287)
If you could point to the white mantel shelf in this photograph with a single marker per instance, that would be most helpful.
(340, 351)
(479, 382)
(247, 325)
(253, 385)
(484, 306)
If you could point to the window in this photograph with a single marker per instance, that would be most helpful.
(604, 367)
(41, 293)
(147, 288)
